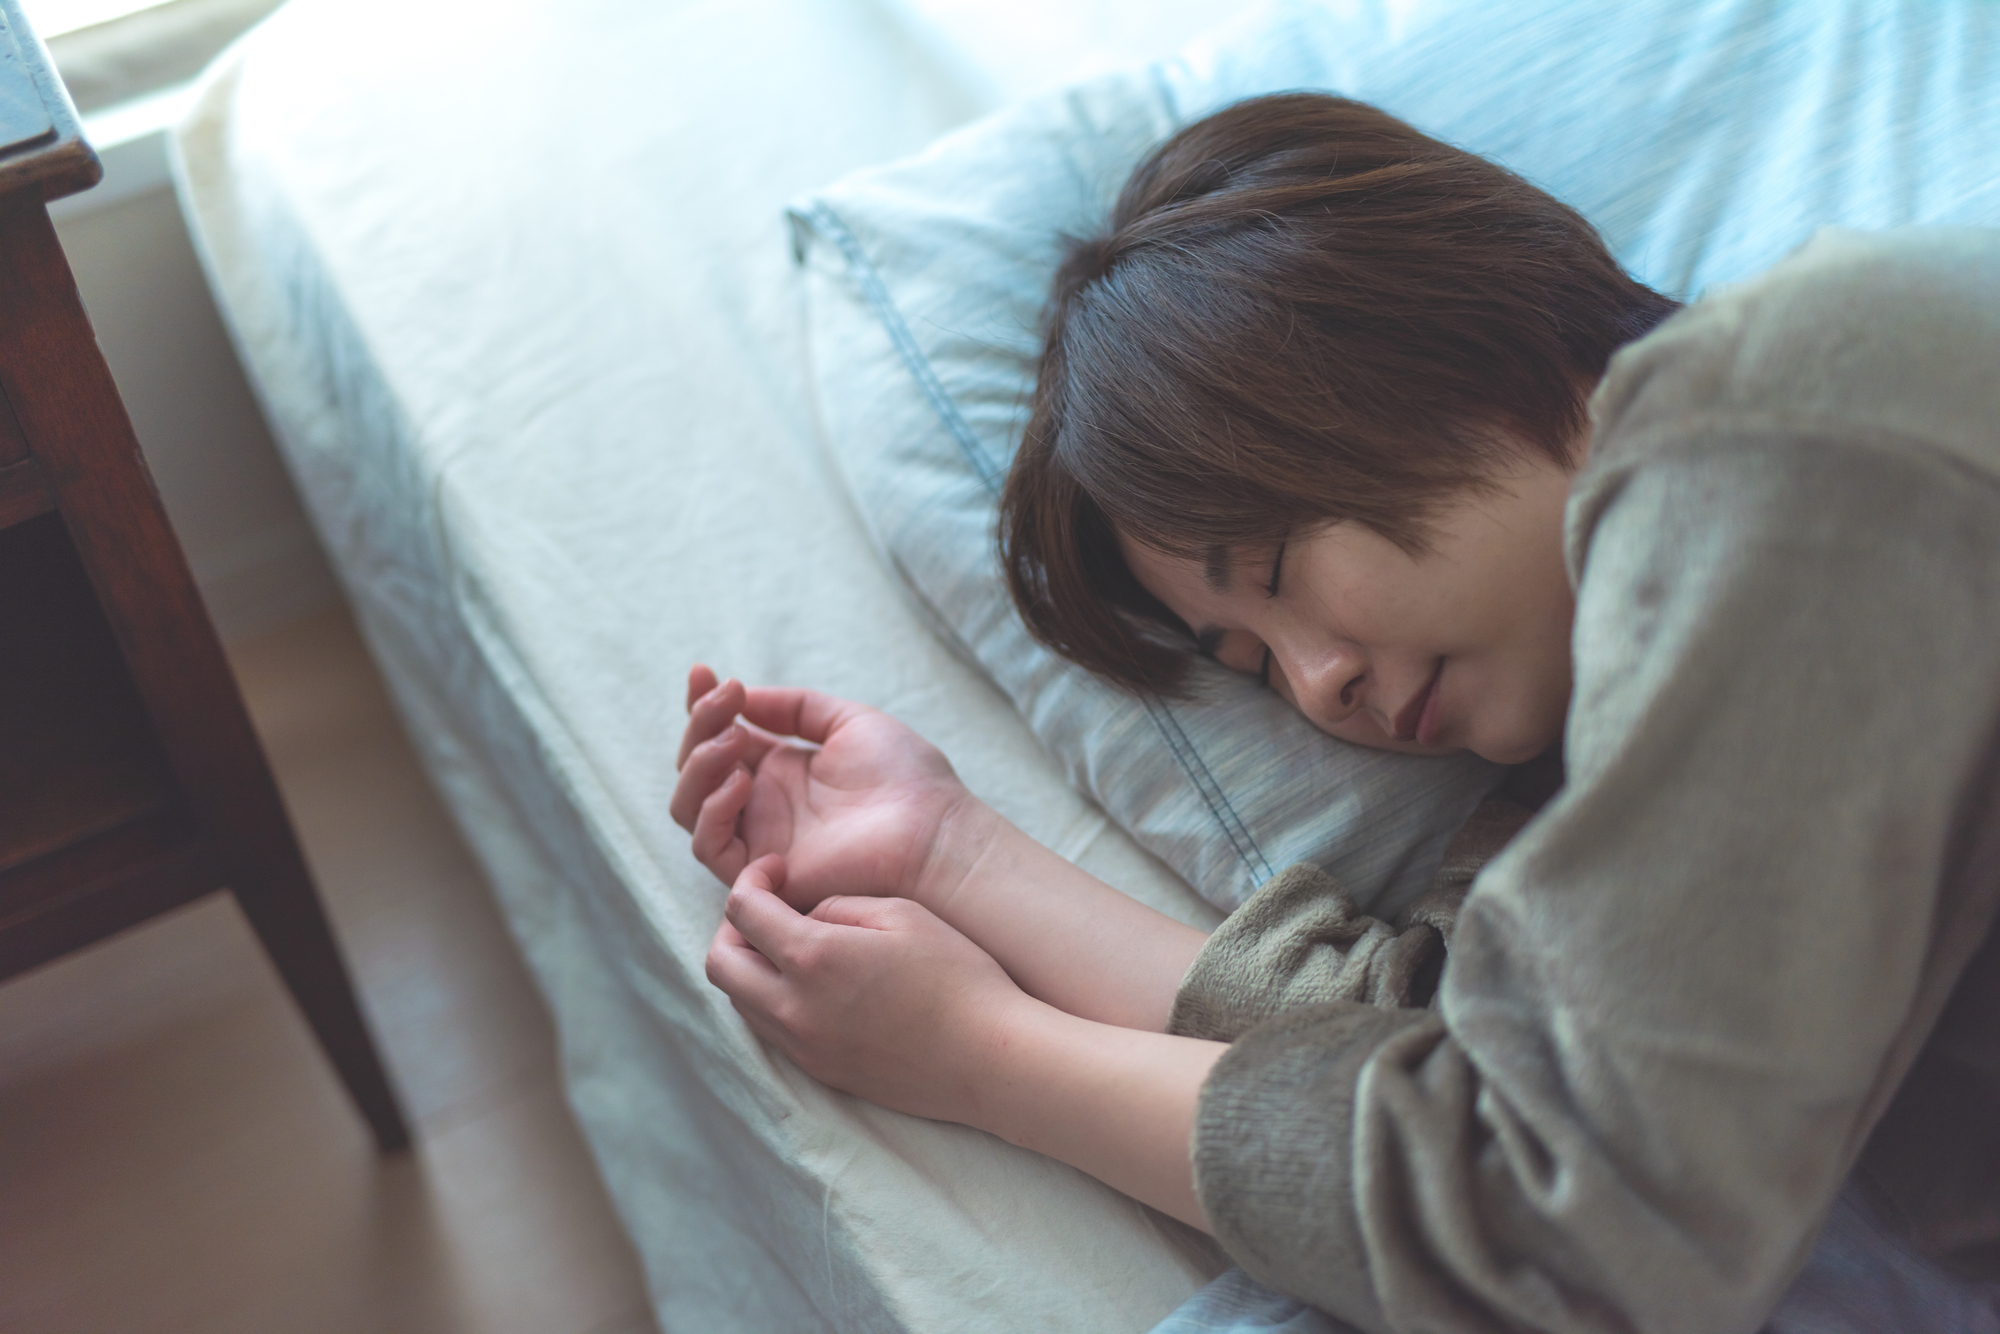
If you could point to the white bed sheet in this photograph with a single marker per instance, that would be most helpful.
(514, 288)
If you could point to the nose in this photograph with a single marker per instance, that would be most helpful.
(1330, 682)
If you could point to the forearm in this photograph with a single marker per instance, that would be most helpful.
(881, 998)
(1117, 1104)
(1063, 935)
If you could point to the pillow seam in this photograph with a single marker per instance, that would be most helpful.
(827, 223)
(1233, 827)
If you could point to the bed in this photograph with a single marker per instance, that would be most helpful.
(519, 296)
(528, 525)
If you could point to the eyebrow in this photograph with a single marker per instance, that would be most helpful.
(1216, 569)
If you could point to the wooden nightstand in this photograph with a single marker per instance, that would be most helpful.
(130, 779)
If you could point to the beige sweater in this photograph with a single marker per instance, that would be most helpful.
(1748, 948)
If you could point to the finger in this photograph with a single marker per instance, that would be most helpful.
(773, 927)
(708, 715)
(757, 742)
(717, 845)
(807, 714)
(705, 769)
(730, 941)
(749, 979)
(701, 680)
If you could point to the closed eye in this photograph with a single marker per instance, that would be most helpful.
(1271, 588)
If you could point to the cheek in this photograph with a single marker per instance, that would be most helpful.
(1546, 655)
(1529, 696)
(1241, 652)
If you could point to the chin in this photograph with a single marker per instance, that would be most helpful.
(1519, 748)
(1524, 732)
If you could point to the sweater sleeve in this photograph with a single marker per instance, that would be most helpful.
(1676, 1006)
(1301, 941)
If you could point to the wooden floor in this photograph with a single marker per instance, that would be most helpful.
(175, 1155)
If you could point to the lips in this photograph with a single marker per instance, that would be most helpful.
(1417, 718)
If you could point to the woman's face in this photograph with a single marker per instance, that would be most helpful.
(1463, 648)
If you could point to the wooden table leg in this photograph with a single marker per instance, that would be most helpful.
(286, 914)
(71, 421)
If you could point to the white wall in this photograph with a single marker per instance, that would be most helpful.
(225, 488)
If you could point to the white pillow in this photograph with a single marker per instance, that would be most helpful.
(1705, 141)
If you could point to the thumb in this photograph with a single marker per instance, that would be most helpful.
(772, 926)
(871, 913)
(768, 872)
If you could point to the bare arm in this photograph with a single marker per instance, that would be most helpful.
(1108, 1101)
(882, 999)
(1063, 935)
(868, 808)
(951, 967)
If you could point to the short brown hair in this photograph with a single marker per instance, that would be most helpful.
(1302, 311)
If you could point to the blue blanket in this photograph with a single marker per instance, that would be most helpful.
(1860, 1280)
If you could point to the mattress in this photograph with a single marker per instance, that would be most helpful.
(517, 298)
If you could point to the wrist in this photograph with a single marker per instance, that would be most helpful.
(1006, 1035)
(1114, 1102)
(968, 838)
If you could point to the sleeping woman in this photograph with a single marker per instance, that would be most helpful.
(1337, 405)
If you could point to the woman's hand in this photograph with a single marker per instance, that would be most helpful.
(864, 808)
(876, 997)
(869, 808)
(881, 999)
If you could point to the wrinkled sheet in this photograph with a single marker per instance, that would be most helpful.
(513, 285)
(516, 294)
